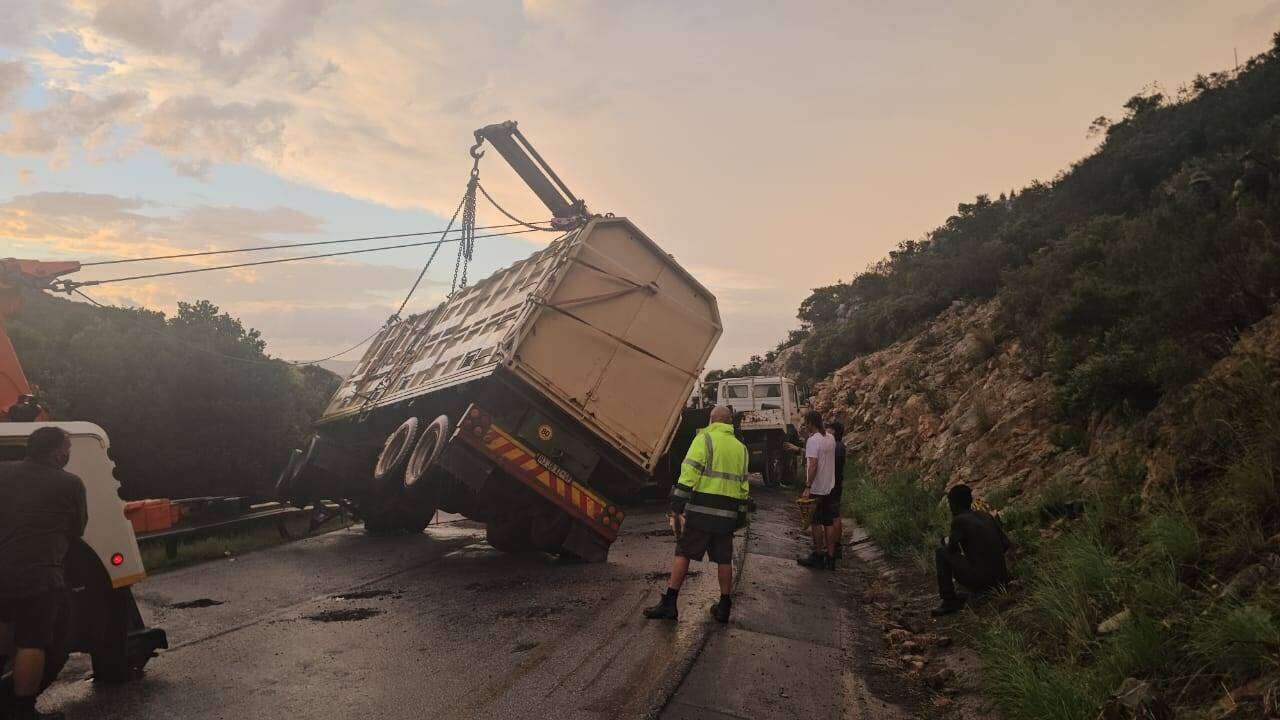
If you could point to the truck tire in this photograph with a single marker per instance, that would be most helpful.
(548, 531)
(509, 534)
(426, 451)
(773, 468)
(101, 620)
(389, 470)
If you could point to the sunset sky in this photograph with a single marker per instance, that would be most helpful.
(771, 147)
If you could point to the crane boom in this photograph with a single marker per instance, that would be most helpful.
(15, 276)
(519, 153)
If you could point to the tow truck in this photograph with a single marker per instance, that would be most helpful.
(104, 565)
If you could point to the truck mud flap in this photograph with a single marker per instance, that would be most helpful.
(596, 519)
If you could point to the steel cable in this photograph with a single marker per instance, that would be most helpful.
(282, 246)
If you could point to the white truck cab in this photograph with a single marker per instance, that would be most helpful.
(768, 411)
(103, 566)
(760, 393)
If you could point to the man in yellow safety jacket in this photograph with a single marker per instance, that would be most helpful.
(708, 503)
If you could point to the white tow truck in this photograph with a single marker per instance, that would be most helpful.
(101, 567)
(768, 411)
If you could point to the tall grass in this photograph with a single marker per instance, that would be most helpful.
(901, 512)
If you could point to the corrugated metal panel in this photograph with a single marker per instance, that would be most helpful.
(604, 323)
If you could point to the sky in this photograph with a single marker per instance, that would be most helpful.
(770, 147)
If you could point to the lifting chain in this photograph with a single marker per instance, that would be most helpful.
(467, 244)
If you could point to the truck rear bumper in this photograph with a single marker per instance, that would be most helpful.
(587, 508)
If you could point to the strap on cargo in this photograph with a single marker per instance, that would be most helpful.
(602, 297)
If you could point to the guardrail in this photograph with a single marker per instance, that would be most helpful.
(259, 514)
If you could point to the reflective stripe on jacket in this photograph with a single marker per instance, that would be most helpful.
(712, 489)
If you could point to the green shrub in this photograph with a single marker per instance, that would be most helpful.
(1069, 436)
(1237, 641)
(1173, 536)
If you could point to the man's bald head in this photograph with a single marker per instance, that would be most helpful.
(722, 414)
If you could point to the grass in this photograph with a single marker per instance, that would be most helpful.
(902, 514)
(217, 547)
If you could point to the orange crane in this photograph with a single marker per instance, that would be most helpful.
(15, 277)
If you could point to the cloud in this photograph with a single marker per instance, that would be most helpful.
(200, 32)
(97, 224)
(307, 309)
(26, 175)
(13, 77)
(25, 21)
(196, 132)
(71, 117)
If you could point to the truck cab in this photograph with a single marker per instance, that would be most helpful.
(103, 565)
(760, 393)
(768, 412)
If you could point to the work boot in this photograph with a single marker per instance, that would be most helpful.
(948, 607)
(815, 560)
(665, 609)
(720, 611)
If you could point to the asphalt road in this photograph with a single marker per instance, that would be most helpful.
(441, 625)
(437, 625)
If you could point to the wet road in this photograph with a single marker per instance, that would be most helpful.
(437, 625)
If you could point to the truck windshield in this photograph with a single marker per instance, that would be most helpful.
(769, 391)
(736, 391)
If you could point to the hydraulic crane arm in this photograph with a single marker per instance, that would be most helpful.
(15, 276)
(507, 139)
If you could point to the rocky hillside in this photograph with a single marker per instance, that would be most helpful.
(952, 400)
(959, 401)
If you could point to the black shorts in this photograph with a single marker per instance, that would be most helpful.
(826, 509)
(695, 543)
(39, 621)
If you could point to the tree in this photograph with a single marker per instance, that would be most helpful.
(192, 403)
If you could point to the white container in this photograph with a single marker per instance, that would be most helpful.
(602, 323)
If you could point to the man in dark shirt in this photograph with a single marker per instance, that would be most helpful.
(973, 555)
(42, 511)
(835, 429)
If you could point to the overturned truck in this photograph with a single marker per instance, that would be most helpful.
(534, 401)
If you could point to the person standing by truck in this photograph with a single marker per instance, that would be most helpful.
(709, 502)
(820, 481)
(42, 511)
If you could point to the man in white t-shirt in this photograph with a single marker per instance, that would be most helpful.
(820, 480)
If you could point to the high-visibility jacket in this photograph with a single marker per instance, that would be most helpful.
(712, 489)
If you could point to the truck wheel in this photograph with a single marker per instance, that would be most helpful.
(395, 454)
(548, 531)
(426, 451)
(509, 535)
(101, 620)
(772, 474)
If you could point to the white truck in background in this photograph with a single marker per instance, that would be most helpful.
(768, 411)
